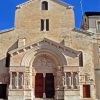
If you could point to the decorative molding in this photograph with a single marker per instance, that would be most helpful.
(6, 30)
(57, 1)
(46, 42)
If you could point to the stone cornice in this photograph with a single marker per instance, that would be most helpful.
(46, 42)
(6, 30)
(57, 1)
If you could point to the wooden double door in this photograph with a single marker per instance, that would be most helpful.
(44, 85)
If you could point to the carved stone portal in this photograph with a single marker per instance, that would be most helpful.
(44, 63)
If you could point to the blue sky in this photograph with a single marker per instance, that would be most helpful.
(8, 7)
(87, 5)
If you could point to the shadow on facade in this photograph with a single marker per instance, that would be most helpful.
(4, 75)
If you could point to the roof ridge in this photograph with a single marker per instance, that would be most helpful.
(6, 30)
(42, 40)
(64, 3)
(58, 1)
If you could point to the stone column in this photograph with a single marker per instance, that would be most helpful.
(44, 95)
(33, 84)
(93, 91)
(65, 80)
(81, 91)
(17, 79)
(27, 78)
(31, 81)
(27, 81)
(23, 80)
(77, 80)
(30, 75)
(60, 87)
(71, 80)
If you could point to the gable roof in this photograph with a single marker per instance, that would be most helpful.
(49, 43)
(63, 3)
(6, 30)
(57, 1)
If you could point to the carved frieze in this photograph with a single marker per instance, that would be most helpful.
(46, 42)
(43, 61)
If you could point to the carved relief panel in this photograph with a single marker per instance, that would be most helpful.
(43, 61)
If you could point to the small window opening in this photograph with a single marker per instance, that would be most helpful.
(44, 5)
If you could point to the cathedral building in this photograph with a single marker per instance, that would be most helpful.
(44, 58)
(91, 23)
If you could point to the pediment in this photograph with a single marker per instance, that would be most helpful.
(46, 44)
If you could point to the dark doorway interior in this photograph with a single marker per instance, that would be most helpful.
(86, 91)
(3, 91)
(49, 85)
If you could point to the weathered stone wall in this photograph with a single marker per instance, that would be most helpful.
(27, 25)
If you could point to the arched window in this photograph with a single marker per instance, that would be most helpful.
(44, 5)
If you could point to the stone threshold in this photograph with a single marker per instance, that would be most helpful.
(44, 99)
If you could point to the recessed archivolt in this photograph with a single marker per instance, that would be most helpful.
(45, 56)
(56, 55)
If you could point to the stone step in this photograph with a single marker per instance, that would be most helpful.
(43, 99)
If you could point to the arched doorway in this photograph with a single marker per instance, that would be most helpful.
(44, 67)
(45, 61)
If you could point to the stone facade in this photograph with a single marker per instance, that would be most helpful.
(91, 24)
(69, 56)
